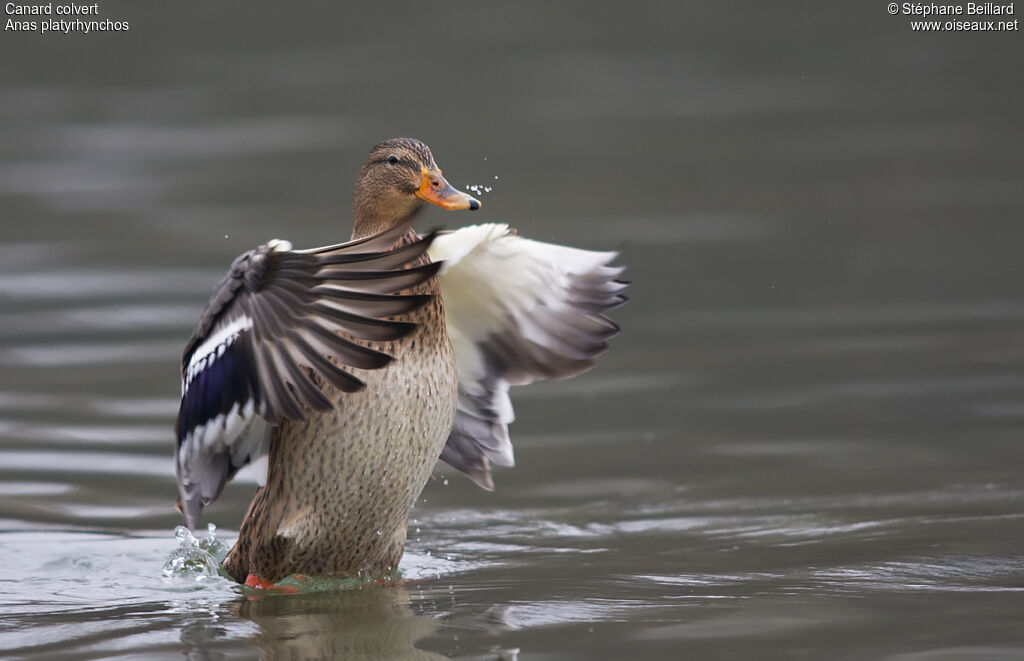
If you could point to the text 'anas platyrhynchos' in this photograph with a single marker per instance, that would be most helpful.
(350, 369)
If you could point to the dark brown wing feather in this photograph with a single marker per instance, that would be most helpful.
(278, 317)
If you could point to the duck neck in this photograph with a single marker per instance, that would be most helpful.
(372, 216)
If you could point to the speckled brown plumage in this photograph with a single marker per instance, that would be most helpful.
(341, 482)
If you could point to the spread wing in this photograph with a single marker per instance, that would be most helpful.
(517, 311)
(280, 323)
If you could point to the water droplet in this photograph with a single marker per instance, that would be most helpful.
(184, 535)
(445, 483)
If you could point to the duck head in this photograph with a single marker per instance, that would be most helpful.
(396, 179)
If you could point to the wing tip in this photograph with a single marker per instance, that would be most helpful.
(189, 508)
(481, 476)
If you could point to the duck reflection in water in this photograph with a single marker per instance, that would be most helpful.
(375, 623)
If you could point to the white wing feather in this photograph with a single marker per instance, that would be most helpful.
(517, 311)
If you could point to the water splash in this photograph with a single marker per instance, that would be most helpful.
(212, 545)
(194, 558)
(479, 189)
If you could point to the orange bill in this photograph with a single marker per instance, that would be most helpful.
(436, 190)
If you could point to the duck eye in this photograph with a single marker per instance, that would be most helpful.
(392, 159)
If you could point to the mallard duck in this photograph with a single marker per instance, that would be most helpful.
(348, 370)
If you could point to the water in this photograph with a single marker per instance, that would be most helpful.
(805, 444)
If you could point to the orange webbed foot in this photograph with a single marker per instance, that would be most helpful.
(254, 581)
